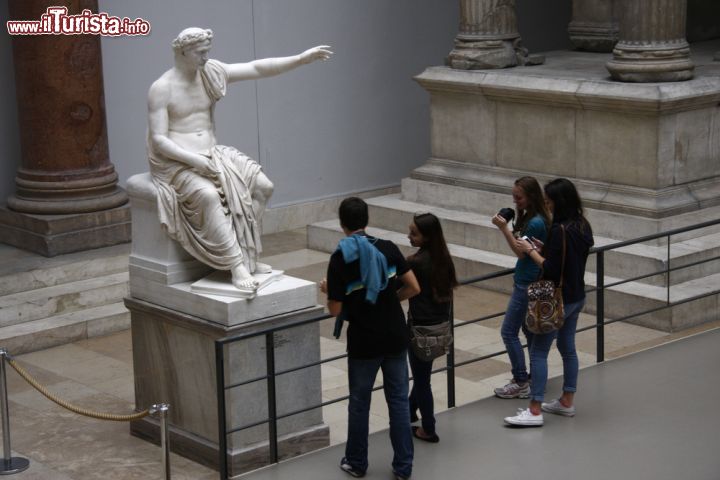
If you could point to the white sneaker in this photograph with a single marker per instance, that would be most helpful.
(558, 408)
(525, 418)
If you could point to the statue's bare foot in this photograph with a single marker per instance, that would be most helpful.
(247, 284)
(262, 268)
(242, 279)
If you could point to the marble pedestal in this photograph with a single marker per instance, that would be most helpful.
(174, 331)
(641, 154)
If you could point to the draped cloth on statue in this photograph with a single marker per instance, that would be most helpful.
(211, 217)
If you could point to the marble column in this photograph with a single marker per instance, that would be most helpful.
(652, 46)
(594, 25)
(488, 37)
(66, 185)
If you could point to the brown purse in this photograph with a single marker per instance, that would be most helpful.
(545, 303)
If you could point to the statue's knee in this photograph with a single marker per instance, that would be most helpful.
(264, 188)
(208, 197)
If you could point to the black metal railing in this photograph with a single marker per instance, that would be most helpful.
(599, 326)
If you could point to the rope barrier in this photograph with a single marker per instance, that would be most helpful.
(79, 410)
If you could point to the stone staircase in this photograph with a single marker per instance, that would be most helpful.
(46, 302)
(479, 249)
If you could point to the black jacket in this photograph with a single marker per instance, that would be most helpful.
(579, 239)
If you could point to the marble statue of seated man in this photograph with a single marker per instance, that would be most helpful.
(210, 197)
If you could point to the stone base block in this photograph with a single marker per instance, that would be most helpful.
(174, 363)
(52, 235)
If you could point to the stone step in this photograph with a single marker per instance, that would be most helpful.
(26, 306)
(64, 328)
(475, 230)
(22, 271)
(620, 226)
(620, 301)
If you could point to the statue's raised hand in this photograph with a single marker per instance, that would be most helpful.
(321, 52)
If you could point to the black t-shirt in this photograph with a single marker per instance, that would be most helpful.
(374, 330)
(424, 308)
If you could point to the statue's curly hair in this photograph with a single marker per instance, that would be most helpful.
(191, 36)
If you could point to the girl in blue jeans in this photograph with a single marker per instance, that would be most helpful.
(568, 222)
(435, 273)
(532, 221)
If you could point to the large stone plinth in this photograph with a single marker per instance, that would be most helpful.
(174, 331)
(637, 150)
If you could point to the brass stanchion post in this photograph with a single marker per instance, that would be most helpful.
(10, 464)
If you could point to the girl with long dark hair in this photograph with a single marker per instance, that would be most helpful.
(571, 228)
(532, 221)
(435, 272)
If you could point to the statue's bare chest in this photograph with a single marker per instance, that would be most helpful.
(188, 98)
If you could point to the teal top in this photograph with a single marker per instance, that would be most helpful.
(526, 270)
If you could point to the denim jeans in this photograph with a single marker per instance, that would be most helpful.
(362, 373)
(510, 332)
(566, 345)
(421, 396)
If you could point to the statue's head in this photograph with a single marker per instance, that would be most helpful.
(192, 45)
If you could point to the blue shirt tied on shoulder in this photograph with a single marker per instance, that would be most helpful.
(373, 264)
(373, 271)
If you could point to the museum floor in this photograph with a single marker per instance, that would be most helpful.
(97, 373)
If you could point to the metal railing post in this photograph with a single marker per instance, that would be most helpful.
(451, 362)
(222, 421)
(10, 464)
(667, 270)
(161, 410)
(600, 307)
(272, 405)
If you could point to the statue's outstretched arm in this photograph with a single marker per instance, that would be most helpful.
(267, 67)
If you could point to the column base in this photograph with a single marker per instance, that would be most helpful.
(51, 235)
(667, 63)
(593, 37)
(490, 54)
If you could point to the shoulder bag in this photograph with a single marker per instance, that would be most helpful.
(545, 303)
(429, 342)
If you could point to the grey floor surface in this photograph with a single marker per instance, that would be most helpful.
(651, 415)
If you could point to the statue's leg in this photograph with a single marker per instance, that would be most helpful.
(261, 194)
(213, 236)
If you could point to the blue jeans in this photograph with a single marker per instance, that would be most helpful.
(362, 373)
(421, 396)
(566, 345)
(510, 332)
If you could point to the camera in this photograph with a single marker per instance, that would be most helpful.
(507, 213)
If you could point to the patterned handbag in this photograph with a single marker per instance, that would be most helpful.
(545, 303)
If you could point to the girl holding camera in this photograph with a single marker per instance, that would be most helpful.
(564, 254)
(435, 272)
(532, 222)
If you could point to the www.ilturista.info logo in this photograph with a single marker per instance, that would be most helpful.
(56, 21)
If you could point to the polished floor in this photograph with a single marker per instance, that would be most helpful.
(97, 374)
(651, 415)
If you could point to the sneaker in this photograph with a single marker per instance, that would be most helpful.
(558, 408)
(514, 390)
(525, 418)
(400, 477)
(350, 470)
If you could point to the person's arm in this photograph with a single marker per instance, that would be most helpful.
(158, 127)
(410, 287)
(334, 306)
(268, 67)
(551, 262)
(504, 228)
